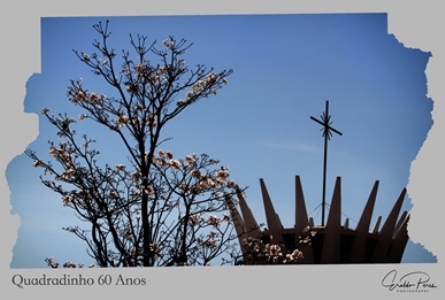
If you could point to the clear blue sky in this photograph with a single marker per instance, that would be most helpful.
(285, 68)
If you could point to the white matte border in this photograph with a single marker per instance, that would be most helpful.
(416, 24)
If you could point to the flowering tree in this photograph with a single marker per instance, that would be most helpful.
(258, 251)
(154, 209)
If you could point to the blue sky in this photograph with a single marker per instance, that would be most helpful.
(285, 68)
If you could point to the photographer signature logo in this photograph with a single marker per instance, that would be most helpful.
(415, 282)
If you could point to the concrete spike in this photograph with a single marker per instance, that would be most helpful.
(311, 222)
(400, 223)
(238, 221)
(381, 250)
(301, 217)
(331, 252)
(346, 225)
(399, 241)
(377, 225)
(273, 221)
(302, 221)
(251, 224)
(365, 219)
(357, 251)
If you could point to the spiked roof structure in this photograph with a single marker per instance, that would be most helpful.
(333, 243)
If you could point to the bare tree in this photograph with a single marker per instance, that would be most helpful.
(155, 209)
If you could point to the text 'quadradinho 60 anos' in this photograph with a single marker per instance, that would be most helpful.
(22, 281)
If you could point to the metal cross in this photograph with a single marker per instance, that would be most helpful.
(327, 133)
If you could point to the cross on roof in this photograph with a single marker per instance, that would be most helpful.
(327, 133)
(326, 123)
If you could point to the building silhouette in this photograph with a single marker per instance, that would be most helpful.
(335, 242)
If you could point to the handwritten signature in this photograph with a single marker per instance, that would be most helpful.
(414, 281)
